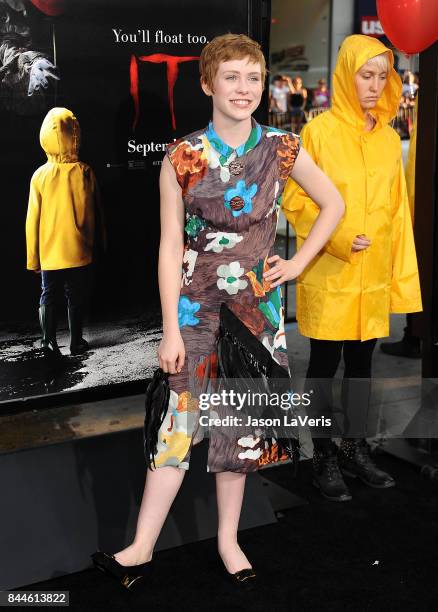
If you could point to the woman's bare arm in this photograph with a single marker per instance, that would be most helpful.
(171, 350)
(323, 192)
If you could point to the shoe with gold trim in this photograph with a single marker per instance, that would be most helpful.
(244, 579)
(127, 575)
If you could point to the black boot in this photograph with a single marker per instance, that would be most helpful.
(47, 314)
(408, 346)
(77, 344)
(355, 461)
(326, 474)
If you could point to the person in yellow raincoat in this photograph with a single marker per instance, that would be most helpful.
(409, 345)
(368, 268)
(60, 227)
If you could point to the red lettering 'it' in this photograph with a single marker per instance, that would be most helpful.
(172, 62)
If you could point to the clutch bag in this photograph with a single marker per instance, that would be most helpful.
(156, 405)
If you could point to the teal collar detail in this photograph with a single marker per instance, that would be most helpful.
(225, 150)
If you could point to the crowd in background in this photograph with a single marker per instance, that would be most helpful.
(291, 105)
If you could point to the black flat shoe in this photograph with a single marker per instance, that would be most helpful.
(127, 575)
(243, 579)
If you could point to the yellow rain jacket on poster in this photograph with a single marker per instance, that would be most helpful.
(63, 192)
(343, 295)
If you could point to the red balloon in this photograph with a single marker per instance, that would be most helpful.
(411, 25)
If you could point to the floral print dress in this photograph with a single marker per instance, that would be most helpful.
(232, 199)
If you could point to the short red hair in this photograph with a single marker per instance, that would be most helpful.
(225, 48)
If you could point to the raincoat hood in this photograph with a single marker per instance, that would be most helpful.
(355, 51)
(60, 136)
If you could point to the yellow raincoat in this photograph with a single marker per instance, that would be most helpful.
(343, 295)
(60, 214)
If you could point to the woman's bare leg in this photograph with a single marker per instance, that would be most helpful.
(229, 490)
(160, 490)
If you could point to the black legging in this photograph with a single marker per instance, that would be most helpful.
(325, 356)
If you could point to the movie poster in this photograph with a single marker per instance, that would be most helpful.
(128, 71)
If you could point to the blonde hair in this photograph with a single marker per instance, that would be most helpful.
(225, 48)
(381, 62)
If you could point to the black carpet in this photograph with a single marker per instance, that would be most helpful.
(375, 553)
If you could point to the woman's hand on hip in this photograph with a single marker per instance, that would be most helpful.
(171, 353)
(282, 270)
(360, 243)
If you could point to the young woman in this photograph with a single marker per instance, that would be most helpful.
(298, 101)
(220, 186)
(368, 268)
(300, 90)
